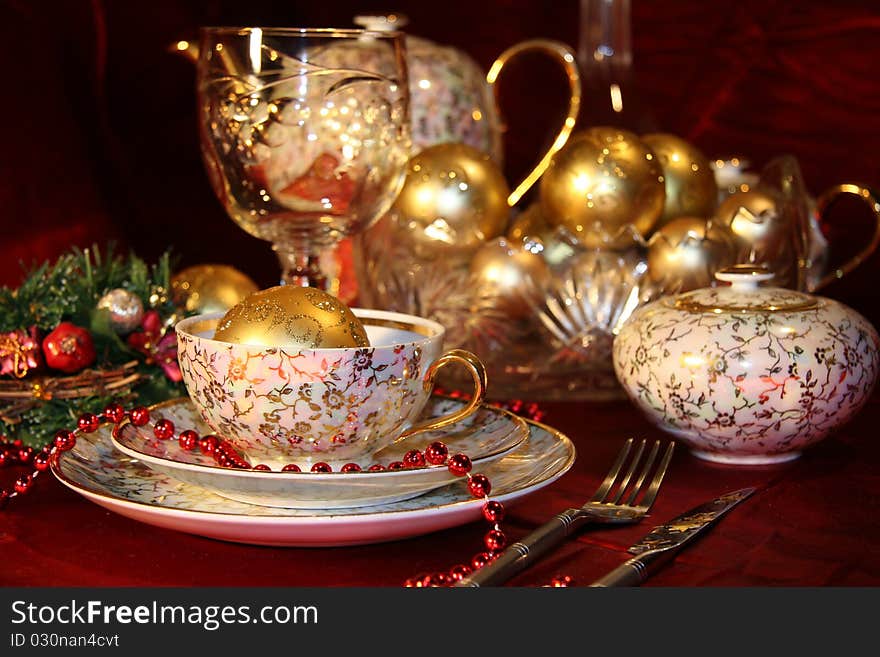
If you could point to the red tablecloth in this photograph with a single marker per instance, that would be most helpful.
(815, 524)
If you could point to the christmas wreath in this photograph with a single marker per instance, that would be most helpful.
(84, 331)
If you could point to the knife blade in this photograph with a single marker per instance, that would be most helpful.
(664, 542)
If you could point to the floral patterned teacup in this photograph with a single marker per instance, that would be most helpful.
(303, 406)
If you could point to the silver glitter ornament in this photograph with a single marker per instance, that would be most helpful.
(126, 309)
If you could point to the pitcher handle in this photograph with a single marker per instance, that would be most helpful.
(824, 201)
(478, 372)
(567, 58)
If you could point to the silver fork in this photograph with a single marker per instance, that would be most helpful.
(607, 506)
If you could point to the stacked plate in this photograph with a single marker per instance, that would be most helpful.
(157, 482)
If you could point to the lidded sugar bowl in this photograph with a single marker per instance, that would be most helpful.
(747, 374)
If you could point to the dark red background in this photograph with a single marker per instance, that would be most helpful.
(100, 140)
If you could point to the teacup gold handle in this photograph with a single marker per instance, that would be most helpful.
(478, 373)
(566, 57)
(824, 202)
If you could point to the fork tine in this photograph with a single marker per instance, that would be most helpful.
(603, 489)
(646, 468)
(629, 473)
(648, 499)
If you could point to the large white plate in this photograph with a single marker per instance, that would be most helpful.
(102, 474)
(484, 436)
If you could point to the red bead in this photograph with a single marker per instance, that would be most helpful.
(350, 467)
(64, 440)
(495, 539)
(4, 458)
(25, 454)
(139, 416)
(88, 422)
(41, 461)
(561, 581)
(114, 412)
(493, 511)
(436, 453)
(414, 459)
(322, 467)
(481, 559)
(163, 429)
(479, 485)
(22, 484)
(262, 467)
(436, 580)
(459, 572)
(378, 467)
(188, 440)
(223, 461)
(459, 465)
(414, 582)
(397, 465)
(291, 467)
(208, 444)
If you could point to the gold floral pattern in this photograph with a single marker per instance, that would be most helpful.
(283, 405)
(751, 385)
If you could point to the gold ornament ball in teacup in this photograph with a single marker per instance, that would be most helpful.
(684, 254)
(691, 189)
(288, 316)
(505, 273)
(453, 200)
(603, 178)
(209, 288)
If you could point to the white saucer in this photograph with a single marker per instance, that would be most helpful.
(100, 473)
(484, 436)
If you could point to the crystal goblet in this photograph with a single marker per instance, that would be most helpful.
(305, 134)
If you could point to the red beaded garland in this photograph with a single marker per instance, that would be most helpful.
(224, 454)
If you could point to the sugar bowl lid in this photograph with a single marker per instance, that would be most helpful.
(744, 294)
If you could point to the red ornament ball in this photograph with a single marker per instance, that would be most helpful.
(495, 539)
(41, 461)
(209, 443)
(414, 459)
(23, 484)
(350, 467)
(322, 467)
(69, 348)
(291, 467)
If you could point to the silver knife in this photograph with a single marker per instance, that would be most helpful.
(665, 541)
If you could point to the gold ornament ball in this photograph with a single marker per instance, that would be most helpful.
(287, 316)
(453, 200)
(603, 179)
(754, 218)
(505, 275)
(210, 288)
(684, 254)
(691, 189)
(530, 228)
